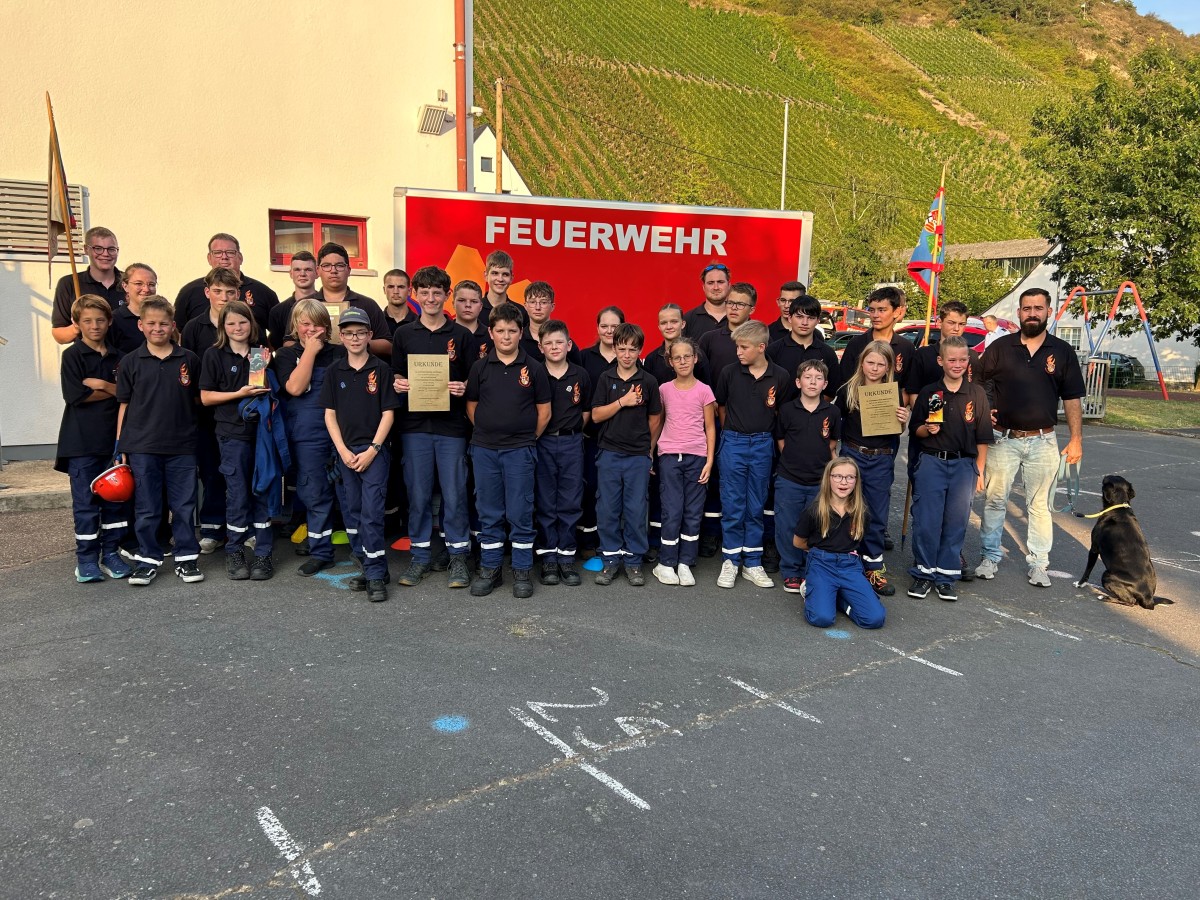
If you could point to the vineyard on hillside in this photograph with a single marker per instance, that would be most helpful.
(669, 101)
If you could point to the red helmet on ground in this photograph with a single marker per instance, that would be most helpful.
(115, 484)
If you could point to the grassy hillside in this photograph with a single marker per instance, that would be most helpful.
(677, 101)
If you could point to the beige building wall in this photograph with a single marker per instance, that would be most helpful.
(184, 119)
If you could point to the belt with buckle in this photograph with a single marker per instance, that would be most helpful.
(563, 432)
(948, 454)
(1018, 433)
(869, 451)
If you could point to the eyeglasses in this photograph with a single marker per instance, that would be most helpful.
(334, 267)
(355, 335)
(738, 304)
(224, 254)
(683, 357)
(138, 285)
(836, 477)
(103, 251)
(717, 267)
(543, 301)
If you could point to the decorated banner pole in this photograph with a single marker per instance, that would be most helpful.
(925, 268)
(58, 208)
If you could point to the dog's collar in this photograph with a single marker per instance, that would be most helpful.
(1110, 509)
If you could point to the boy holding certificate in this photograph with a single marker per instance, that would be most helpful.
(952, 419)
(431, 365)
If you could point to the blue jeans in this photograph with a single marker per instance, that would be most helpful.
(151, 472)
(363, 496)
(942, 492)
(836, 581)
(1037, 460)
(621, 501)
(99, 524)
(682, 506)
(425, 454)
(791, 499)
(559, 492)
(504, 493)
(877, 474)
(243, 507)
(745, 461)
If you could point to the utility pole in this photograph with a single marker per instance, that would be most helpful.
(499, 136)
(783, 178)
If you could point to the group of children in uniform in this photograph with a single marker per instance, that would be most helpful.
(551, 436)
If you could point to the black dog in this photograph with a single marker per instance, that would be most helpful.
(1117, 539)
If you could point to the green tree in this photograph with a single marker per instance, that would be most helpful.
(969, 281)
(1123, 164)
(849, 259)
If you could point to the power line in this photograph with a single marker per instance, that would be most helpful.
(775, 173)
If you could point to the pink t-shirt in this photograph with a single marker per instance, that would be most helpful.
(683, 430)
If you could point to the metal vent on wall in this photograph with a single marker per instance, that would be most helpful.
(432, 119)
(23, 218)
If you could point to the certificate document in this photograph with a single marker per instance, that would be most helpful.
(877, 405)
(428, 382)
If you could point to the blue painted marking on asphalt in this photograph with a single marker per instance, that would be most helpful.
(451, 724)
(837, 633)
(339, 580)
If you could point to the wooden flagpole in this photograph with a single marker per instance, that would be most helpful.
(62, 194)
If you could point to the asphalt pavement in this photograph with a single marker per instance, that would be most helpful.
(288, 739)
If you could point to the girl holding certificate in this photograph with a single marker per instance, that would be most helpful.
(874, 452)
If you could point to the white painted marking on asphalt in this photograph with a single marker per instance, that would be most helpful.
(540, 708)
(1056, 573)
(1174, 564)
(569, 752)
(1032, 624)
(750, 689)
(923, 662)
(289, 850)
(1196, 534)
(1089, 493)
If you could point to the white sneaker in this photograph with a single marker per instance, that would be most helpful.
(728, 576)
(210, 545)
(757, 576)
(1038, 576)
(987, 569)
(665, 575)
(686, 578)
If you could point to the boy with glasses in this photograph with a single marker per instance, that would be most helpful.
(359, 407)
(333, 264)
(101, 278)
(539, 307)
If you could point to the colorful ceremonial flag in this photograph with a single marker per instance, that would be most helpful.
(929, 257)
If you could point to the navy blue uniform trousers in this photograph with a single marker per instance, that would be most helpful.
(942, 494)
(363, 497)
(559, 495)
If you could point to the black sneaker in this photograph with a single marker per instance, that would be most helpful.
(550, 574)
(522, 585)
(460, 575)
(708, 545)
(651, 555)
(235, 565)
(947, 592)
(312, 566)
(920, 588)
(633, 574)
(440, 563)
(569, 574)
(189, 571)
(143, 575)
(486, 581)
(880, 583)
(770, 559)
(261, 569)
(414, 573)
(606, 575)
(302, 548)
(377, 590)
(359, 582)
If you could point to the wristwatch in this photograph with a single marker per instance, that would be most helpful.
(377, 447)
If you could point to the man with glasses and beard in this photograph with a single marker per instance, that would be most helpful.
(224, 252)
(101, 278)
(1025, 375)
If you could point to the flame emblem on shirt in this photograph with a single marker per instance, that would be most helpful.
(1050, 364)
(185, 377)
(575, 394)
(483, 349)
(451, 350)
(771, 398)
(248, 299)
(636, 393)
(969, 411)
(899, 363)
(524, 378)
(970, 372)
(825, 428)
(372, 382)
